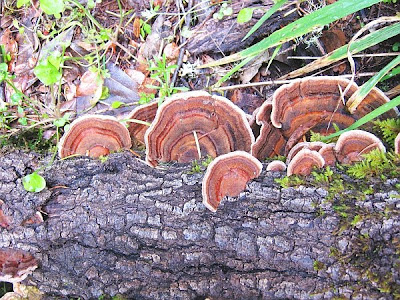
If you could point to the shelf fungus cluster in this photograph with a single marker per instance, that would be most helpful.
(192, 125)
(315, 104)
(349, 148)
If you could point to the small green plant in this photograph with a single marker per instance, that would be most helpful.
(198, 167)
(50, 7)
(161, 71)
(356, 219)
(49, 69)
(318, 265)
(390, 128)
(376, 163)
(225, 10)
(145, 98)
(324, 176)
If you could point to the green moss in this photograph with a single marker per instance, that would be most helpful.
(290, 181)
(376, 164)
(318, 266)
(29, 140)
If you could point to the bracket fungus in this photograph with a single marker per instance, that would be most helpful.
(227, 175)
(314, 146)
(270, 141)
(328, 153)
(276, 166)
(304, 161)
(189, 121)
(352, 144)
(146, 113)
(16, 265)
(94, 135)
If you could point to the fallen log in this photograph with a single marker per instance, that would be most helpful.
(121, 227)
(226, 35)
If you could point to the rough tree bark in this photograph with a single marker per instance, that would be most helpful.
(121, 227)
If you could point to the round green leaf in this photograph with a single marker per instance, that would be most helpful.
(52, 7)
(245, 15)
(47, 73)
(33, 182)
(116, 104)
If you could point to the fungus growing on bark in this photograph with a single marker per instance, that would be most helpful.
(276, 166)
(219, 125)
(15, 264)
(308, 102)
(352, 144)
(304, 161)
(94, 136)
(270, 141)
(146, 113)
(317, 104)
(315, 146)
(328, 153)
(227, 175)
(397, 144)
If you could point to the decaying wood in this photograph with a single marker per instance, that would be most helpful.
(225, 36)
(122, 227)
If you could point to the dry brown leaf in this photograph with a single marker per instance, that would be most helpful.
(91, 85)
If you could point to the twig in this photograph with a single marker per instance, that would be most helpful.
(278, 82)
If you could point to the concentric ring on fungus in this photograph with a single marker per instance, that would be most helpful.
(94, 135)
(227, 175)
(219, 125)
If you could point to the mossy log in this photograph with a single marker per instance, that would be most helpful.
(121, 227)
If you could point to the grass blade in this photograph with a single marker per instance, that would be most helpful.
(363, 43)
(368, 117)
(233, 70)
(363, 91)
(304, 25)
(265, 17)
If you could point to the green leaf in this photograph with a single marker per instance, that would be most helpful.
(304, 25)
(23, 121)
(245, 15)
(21, 3)
(52, 7)
(16, 97)
(116, 104)
(33, 182)
(3, 67)
(47, 73)
(394, 72)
